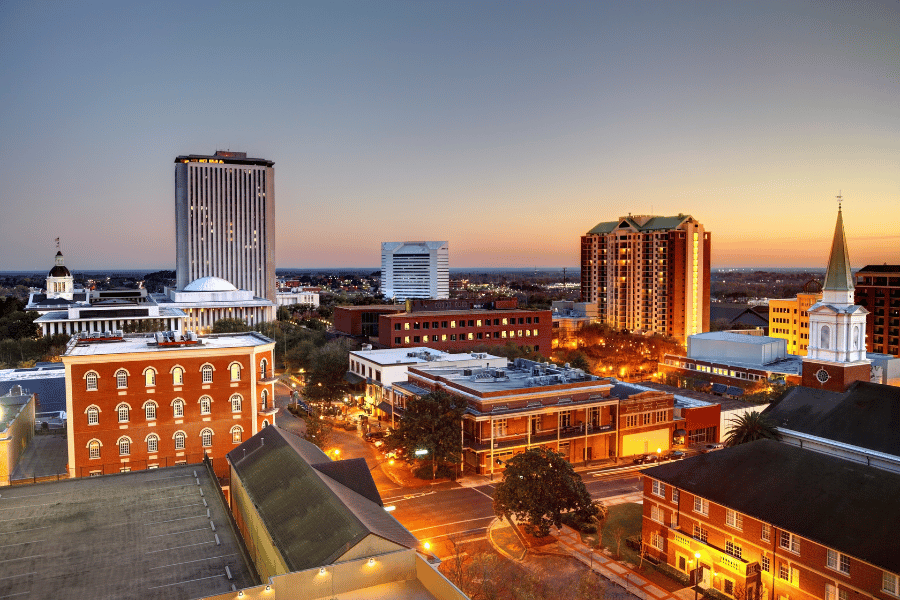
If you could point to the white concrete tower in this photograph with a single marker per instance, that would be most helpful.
(415, 270)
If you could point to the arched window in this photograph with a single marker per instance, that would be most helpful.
(91, 381)
(94, 449)
(152, 443)
(177, 375)
(150, 377)
(263, 368)
(235, 370)
(206, 437)
(265, 422)
(207, 372)
(122, 378)
(93, 415)
(178, 408)
(856, 336)
(124, 446)
(123, 410)
(205, 405)
(179, 438)
(236, 403)
(824, 337)
(237, 434)
(265, 399)
(150, 410)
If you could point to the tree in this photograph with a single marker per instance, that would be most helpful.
(580, 361)
(432, 422)
(600, 519)
(325, 375)
(538, 486)
(318, 430)
(230, 326)
(749, 427)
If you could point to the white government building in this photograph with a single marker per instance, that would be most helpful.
(415, 270)
(208, 299)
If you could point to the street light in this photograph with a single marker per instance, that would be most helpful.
(697, 577)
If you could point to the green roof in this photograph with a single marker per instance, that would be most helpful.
(838, 277)
(654, 224)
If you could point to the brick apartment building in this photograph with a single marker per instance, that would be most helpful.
(530, 404)
(776, 520)
(143, 401)
(878, 291)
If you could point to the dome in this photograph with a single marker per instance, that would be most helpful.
(209, 284)
(59, 269)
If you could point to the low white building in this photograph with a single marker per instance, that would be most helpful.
(297, 295)
(208, 299)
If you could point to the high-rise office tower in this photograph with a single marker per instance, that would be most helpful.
(225, 220)
(878, 291)
(648, 274)
(415, 270)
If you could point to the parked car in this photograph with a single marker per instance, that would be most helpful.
(674, 455)
(645, 459)
(374, 436)
(711, 448)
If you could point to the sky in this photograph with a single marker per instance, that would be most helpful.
(507, 128)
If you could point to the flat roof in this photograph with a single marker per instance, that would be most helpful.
(143, 535)
(727, 336)
(418, 355)
(519, 376)
(373, 307)
(470, 311)
(63, 315)
(697, 399)
(131, 343)
(228, 160)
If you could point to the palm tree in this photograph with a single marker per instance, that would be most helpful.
(750, 427)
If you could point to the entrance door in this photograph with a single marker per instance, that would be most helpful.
(535, 423)
(588, 453)
(706, 582)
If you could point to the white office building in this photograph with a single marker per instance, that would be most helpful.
(415, 270)
(225, 221)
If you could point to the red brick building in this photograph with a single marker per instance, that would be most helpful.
(362, 320)
(774, 521)
(140, 402)
(878, 291)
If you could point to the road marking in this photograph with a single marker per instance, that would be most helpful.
(180, 547)
(483, 494)
(187, 562)
(484, 537)
(188, 581)
(449, 524)
(407, 497)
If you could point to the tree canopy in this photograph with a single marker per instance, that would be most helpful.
(327, 366)
(434, 423)
(750, 427)
(538, 486)
(230, 326)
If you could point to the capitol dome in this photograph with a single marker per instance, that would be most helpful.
(209, 284)
(59, 269)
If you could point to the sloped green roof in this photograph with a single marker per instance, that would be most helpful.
(654, 224)
(838, 276)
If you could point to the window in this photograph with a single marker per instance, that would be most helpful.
(150, 377)
(177, 376)
(205, 405)
(833, 593)
(661, 416)
(179, 438)
(791, 542)
(766, 565)
(263, 368)
(890, 584)
(701, 505)
(235, 371)
(206, 437)
(657, 514)
(150, 410)
(659, 488)
(264, 397)
(728, 587)
(565, 418)
(646, 418)
(675, 496)
(91, 381)
(837, 561)
(734, 519)
(236, 434)
(178, 408)
(152, 443)
(121, 378)
(124, 446)
(207, 372)
(789, 573)
(94, 449)
(657, 541)
(766, 533)
(93, 415)
(700, 533)
(236, 403)
(123, 411)
(631, 420)
(732, 549)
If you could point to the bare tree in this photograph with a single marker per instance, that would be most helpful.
(618, 534)
(457, 570)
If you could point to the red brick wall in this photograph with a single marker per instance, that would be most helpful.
(108, 431)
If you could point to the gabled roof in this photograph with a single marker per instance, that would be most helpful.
(312, 517)
(838, 276)
(846, 506)
(654, 224)
(867, 415)
(880, 269)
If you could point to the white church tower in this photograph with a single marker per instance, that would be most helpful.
(836, 356)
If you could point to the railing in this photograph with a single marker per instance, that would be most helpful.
(541, 437)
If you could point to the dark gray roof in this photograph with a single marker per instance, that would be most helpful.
(51, 391)
(311, 516)
(411, 387)
(846, 506)
(880, 269)
(867, 415)
(737, 313)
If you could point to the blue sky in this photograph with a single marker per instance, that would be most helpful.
(507, 128)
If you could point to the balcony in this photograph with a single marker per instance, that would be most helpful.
(544, 436)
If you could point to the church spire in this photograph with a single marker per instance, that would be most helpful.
(838, 278)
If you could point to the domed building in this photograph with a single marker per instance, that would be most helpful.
(208, 299)
(60, 283)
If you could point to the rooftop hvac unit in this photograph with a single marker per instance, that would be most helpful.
(467, 372)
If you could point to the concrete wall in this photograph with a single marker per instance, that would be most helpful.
(701, 348)
(266, 558)
(15, 439)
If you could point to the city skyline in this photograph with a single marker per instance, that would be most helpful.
(482, 124)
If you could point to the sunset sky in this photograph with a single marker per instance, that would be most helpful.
(507, 128)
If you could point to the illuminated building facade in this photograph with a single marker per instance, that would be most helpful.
(648, 274)
(878, 291)
(225, 221)
(789, 318)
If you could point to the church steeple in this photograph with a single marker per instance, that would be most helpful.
(838, 287)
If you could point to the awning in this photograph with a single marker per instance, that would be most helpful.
(353, 379)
